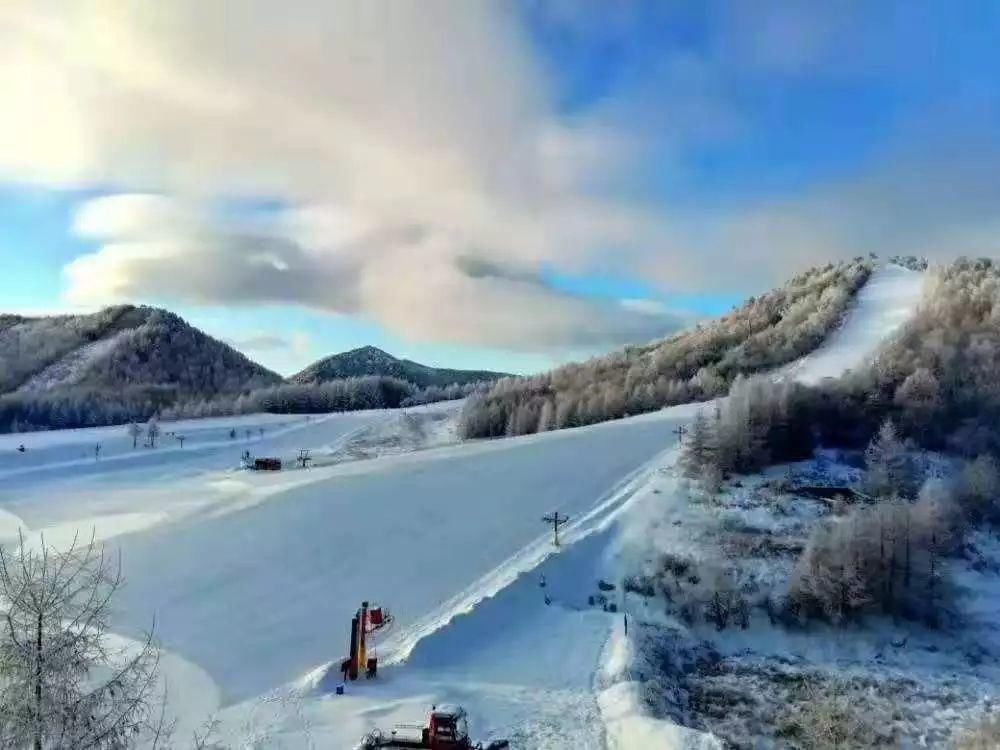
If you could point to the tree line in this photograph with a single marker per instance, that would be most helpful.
(98, 407)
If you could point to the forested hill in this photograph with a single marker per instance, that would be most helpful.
(767, 331)
(369, 360)
(135, 358)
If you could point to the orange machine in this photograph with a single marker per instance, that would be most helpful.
(365, 623)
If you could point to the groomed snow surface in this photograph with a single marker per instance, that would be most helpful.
(252, 577)
(881, 307)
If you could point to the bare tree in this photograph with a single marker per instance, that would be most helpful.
(134, 432)
(62, 684)
(152, 431)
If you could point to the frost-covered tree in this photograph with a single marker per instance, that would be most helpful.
(889, 557)
(979, 487)
(888, 468)
(547, 416)
(62, 685)
(698, 450)
(701, 363)
(135, 432)
(152, 431)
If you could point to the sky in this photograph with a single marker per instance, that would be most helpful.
(501, 185)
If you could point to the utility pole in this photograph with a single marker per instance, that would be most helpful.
(680, 432)
(556, 520)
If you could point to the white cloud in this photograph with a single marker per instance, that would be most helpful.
(424, 170)
(404, 138)
(298, 343)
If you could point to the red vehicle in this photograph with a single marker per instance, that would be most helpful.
(447, 729)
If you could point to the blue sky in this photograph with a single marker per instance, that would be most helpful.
(502, 186)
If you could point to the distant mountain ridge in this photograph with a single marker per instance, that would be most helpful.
(121, 348)
(370, 360)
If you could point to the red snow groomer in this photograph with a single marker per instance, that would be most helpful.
(447, 729)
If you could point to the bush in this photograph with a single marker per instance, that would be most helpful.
(985, 735)
(829, 716)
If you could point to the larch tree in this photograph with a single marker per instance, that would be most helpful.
(63, 685)
(134, 432)
(152, 431)
(698, 450)
(888, 470)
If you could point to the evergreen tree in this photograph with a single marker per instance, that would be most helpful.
(698, 451)
(888, 468)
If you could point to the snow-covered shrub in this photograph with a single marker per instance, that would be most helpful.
(985, 735)
(911, 262)
(979, 488)
(830, 715)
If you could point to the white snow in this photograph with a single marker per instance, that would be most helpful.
(628, 727)
(253, 577)
(881, 307)
(71, 369)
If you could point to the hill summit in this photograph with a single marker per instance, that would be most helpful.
(370, 360)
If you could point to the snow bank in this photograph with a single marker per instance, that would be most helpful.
(629, 728)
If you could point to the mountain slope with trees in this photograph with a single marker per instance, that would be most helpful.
(935, 380)
(121, 363)
(370, 360)
(128, 363)
(765, 332)
(878, 512)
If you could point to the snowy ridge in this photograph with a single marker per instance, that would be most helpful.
(72, 368)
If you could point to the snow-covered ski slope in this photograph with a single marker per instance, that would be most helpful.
(253, 578)
(280, 581)
(881, 307)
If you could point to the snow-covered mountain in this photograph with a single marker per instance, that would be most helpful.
(370, 360)
(120, 349)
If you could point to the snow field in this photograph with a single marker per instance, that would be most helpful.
(253, 578)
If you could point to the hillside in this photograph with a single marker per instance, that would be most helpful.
(821, 553)
(370, 360)
(61, 370)
(766, 332)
